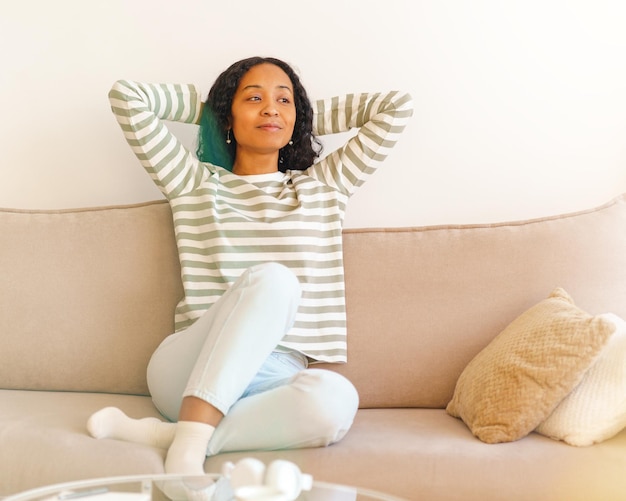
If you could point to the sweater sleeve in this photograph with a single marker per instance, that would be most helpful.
(140, 109)
(380, 118)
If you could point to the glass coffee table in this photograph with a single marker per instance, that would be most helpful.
(204, 488)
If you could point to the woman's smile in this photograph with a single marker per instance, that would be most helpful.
(270, 127)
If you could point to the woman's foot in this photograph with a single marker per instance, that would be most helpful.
(111, 422)
(187, 453)
(186, 457)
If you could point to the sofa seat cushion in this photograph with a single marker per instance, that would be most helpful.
(412, 453)
(426, 454)
(44, 439)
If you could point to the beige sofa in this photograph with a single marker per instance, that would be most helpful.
(88, 294)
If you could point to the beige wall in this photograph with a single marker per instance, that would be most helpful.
(520, 105)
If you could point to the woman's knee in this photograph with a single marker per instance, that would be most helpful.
(276, 276)
(277, 283)
(331, 398)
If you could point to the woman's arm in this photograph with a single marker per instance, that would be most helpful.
(380, 119)
(139, 109)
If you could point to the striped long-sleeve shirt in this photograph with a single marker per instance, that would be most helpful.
(225, 223)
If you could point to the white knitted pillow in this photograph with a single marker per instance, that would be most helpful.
(596, 409)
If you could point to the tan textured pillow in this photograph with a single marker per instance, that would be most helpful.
(515, 382)
(596, 409)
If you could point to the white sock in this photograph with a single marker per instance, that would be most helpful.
(187, 453)
(111, 422)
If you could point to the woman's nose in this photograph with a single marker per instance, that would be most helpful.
(270, 111)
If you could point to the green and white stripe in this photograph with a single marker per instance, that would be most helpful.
(226, 223)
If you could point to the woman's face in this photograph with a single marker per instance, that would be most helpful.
(263, 111)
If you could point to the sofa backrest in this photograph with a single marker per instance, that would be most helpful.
(88, 294)
(422, 302)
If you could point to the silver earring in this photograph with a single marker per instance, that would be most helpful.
(291, 142)
(228, 141)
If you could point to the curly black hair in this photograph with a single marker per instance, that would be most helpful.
(217, 112)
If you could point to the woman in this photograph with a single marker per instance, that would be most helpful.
(258, 227)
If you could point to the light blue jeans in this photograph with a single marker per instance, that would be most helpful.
(270, 400)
